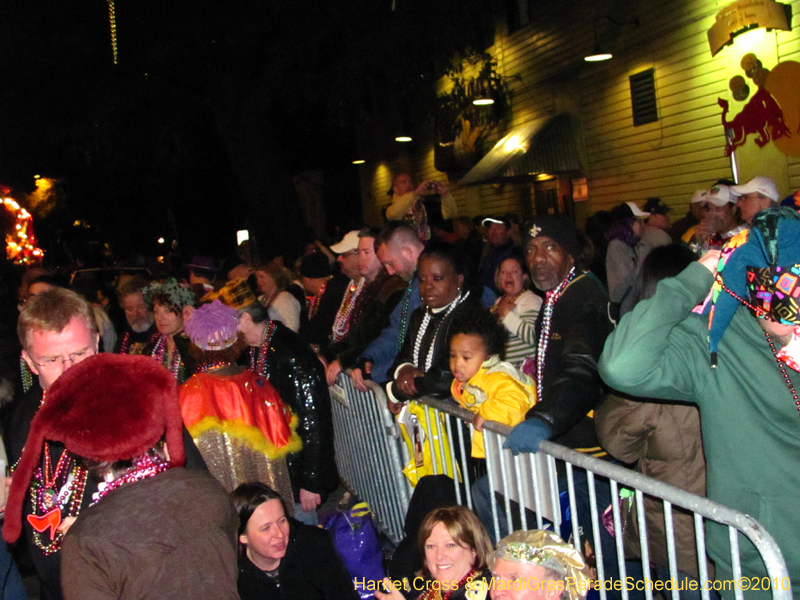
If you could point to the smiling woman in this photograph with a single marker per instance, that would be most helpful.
(282, 559)
(456, 548)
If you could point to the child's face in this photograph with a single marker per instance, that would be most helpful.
(467, 353)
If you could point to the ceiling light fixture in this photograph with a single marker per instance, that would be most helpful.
(598, 54)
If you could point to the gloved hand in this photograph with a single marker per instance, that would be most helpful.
(527, 436)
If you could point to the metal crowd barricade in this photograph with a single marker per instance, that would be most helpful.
(531, 481)
(370, 453)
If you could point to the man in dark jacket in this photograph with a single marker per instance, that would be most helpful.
(572, 328)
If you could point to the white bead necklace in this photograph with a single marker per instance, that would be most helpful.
(424, 327)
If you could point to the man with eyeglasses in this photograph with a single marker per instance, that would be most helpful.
(57, 330)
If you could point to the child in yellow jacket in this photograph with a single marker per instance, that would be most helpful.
(484, 384)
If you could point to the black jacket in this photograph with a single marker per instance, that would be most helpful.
(371, 321)
(297, 374)
(317, 331)
(310, 570)
(437, 380)
(571, 386)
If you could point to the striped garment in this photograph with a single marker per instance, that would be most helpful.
(520, 323)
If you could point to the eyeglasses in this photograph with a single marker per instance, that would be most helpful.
(52, 362)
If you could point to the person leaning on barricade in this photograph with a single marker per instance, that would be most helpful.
(738, 367)
(538, 565)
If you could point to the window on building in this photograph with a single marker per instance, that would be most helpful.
(518, 13)
(643, 97)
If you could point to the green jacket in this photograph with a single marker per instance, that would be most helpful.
(751, 427)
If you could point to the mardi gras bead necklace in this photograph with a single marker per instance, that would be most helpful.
(258, 356)
(159, 353)
(144, 467)
(424, 326)
(781, 366)
(761, 314)
(404, 315)
(341, 324)
(56, 493)
(514, 298)
(551, 297)
(314, 305)
(27, 376)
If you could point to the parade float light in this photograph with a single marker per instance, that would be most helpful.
(21, 243)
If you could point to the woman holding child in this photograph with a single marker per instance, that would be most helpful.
(422, 367)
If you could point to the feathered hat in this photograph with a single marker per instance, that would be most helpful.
(106, 408)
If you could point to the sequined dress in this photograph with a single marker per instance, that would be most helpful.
(242, 428)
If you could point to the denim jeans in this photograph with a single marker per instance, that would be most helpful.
(483, 497)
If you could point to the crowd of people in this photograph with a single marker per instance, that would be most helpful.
(164, 431)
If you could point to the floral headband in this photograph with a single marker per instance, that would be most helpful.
(177, 295)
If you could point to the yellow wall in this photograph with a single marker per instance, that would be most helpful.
(681, 152)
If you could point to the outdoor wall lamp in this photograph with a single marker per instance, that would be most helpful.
(598, 55)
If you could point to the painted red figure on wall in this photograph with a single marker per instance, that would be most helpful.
(761, 115)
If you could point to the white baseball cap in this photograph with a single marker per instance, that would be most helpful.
(349, 242)
(720, 195)
(637, 212)
(763, 185)
(699, 196)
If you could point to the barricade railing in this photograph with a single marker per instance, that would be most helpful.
(546, 490)
(512, 478)
(370, 453)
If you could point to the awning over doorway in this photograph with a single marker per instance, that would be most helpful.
(545, 145)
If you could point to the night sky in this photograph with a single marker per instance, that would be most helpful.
(212, 109)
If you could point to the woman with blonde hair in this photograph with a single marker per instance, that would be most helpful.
(456, 550)
(272, 280)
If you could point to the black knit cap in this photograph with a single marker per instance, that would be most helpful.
(315, 266)
(558, 228)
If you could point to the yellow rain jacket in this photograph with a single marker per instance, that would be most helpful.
(497, 392)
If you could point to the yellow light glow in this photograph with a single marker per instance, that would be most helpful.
(600, 56)
(160, 240)
(752, 41)
(402, 138)
(482, 101)
(359, 162)
(514, 143)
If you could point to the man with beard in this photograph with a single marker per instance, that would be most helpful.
(571, 330)
(139, 322)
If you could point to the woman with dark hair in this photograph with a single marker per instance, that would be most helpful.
(281, 558)
(423, 365)
(457, 550)
(664, 441)
(622, 256)
(517, 309)
(171, 303)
